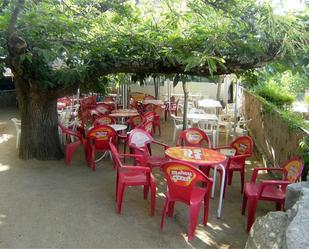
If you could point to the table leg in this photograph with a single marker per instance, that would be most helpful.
(221, 190)
(214, 182)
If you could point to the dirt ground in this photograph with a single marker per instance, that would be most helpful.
(47, 204)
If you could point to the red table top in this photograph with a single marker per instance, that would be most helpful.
(195, 155)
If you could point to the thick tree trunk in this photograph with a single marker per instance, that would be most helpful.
(39, 136)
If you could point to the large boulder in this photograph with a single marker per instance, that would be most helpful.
(284, 230)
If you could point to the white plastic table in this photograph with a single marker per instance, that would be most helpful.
(118, 127)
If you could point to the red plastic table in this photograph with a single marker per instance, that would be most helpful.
(201, 157)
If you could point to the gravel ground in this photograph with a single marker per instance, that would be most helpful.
(47, 204)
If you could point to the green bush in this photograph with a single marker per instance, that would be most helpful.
(307, 99)
(275, 94)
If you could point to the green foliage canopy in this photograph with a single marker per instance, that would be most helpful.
(74, 42)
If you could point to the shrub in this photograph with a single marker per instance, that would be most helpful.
(307, 99)
(275, 94)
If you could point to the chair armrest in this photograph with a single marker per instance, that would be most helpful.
(135, 168)
(256, 170)
(162, 144)
(71, 133)
(222, 147)
(141, 158)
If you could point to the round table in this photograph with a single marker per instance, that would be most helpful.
(201, 157)
(123, 113)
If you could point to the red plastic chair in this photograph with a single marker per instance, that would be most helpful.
(147, 108)
(132, 176)
(157, 119)
(149, 116)
(147, 126)
(193, 137)
(71, 147)
(172, 108)
(243, 147)
(140, 141)
(98, 139)
(104, 120)
(270, 190)
(182, 179)
(135, 121)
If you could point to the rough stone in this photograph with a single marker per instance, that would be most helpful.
(294, 192)
(267, 232)
(297, 233)
(284, 230)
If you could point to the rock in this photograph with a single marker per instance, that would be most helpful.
(297, 233)
(294, 192)
(284, 230)
(267, 231)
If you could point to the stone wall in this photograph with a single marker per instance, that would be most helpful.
(272, 137)
(7, 98)
(284, 230)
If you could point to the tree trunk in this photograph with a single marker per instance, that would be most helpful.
(185, 105)
(39, 125)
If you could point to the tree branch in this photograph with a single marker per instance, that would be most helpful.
(14, 17)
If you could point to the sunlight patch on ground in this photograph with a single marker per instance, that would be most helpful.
(214, 227)
(161, 195)
(5, 137)
(203, 235)
(2, 216)
(4, 168)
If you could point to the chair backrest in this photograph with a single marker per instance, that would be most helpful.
(102, 135)
(103, 108)
(149, 116)
(243, 145)
(196, 111)
(193, 137)
(182, 178)
(208, 125)
(104, 120)
(158, 110)
(293, 169)
(147, 126)
(139, 138)
(135, 121)
(148, 107)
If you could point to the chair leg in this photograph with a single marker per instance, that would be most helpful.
(252, 205)
(159, 130)
(170, 210)
(153, 198)
(120, 197)
(278, 206)
(164, 211)
(242, 180)
(244, 204)
(206, 209)
(194, 212)
(230, 177)
(146, 190)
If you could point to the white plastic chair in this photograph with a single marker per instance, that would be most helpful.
(17, 124)
(178, 124)
(211, 128)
